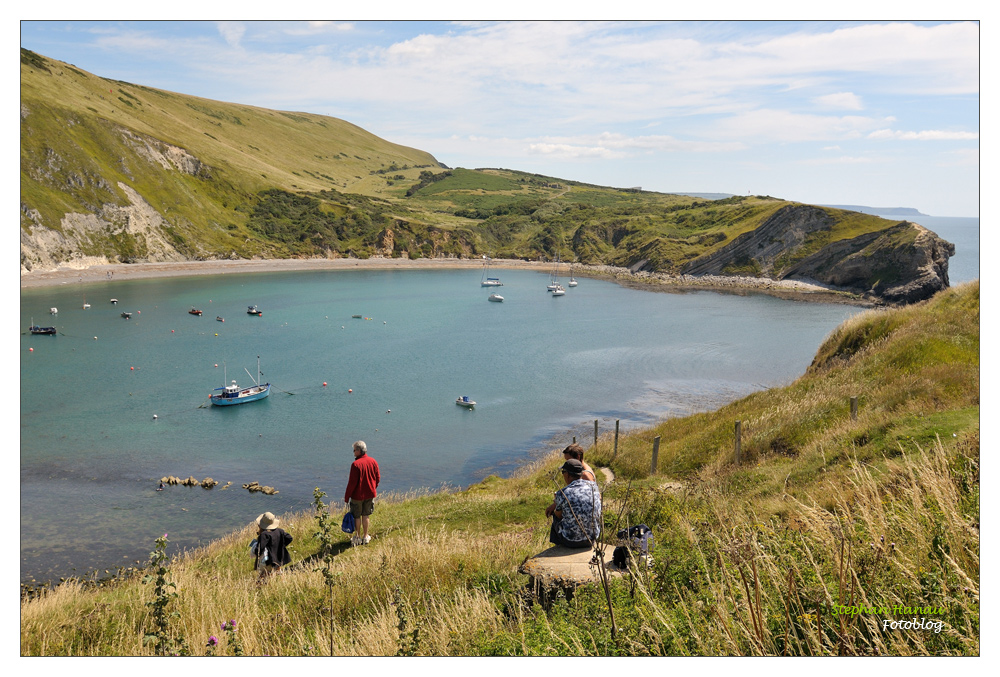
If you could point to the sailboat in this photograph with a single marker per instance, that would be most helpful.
(554, 276)
(572, 280)
(233, 394)
(489, 281)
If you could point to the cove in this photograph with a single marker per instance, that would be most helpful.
(540, 368)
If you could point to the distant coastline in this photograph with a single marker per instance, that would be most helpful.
(82, 273)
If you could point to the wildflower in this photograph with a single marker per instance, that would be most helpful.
(213, 640)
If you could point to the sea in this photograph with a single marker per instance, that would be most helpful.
(110, 405)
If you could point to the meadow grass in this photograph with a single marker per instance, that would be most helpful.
(830, 527)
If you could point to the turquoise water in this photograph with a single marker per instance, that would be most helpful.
(540, 368)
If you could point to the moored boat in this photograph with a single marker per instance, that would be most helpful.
(195, 311)
(464, 401)
(219, 319)
(489, 281)
(53, 311)
(35, 329)
(127, 315)
(252, 310)
(495, 298)
(233, 394)
(114, 302)
(558, 291)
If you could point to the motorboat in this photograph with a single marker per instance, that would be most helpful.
(114, 302)
(464, 401)
(495, 298)
(53, 311)
(219, 319)
(233, 394)
(127, 315)
(195, 311)
(252, 310)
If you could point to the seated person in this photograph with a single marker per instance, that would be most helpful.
(576, 451)
(576, 510)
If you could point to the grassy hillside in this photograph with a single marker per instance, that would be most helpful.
(825, 515)
(116, 171)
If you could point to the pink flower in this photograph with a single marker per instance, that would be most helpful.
(213, 640)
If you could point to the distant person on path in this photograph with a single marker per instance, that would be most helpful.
(576, 510)
(360, 494)
(271, 551)
(576, 451)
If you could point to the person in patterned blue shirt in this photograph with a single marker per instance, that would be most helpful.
(576, 510)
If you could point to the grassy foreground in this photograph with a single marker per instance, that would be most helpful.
(831, 530)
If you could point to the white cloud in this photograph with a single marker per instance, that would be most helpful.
(232, 32)
(925, 135)
(840, 101)
(760, 126)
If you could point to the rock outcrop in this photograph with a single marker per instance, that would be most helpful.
(901, 264)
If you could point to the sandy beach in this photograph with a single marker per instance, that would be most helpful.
(793, 289)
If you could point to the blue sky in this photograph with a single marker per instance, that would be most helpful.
(874, 113)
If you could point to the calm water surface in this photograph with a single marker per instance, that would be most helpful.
(540, 369)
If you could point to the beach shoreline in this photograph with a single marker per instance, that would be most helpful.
(84, 273)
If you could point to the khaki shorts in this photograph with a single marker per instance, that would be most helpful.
(365, 507)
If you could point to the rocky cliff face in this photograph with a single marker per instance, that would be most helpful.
(902, 264)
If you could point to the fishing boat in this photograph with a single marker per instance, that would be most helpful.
(496, 298)
(464, 401)
(127, 315)
(489, 281)
(558, 291)
(252, 310)
(195, 311)
(233, 394)
(219, 319)
(35, 329)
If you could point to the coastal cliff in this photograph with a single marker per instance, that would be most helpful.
(902, 264)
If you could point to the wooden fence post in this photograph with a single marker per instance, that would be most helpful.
(854, 408)
(617, 422)
(656, 453)
(738, 435)
(595, 433)
(574, 439)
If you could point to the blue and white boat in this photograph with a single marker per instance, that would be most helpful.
(233, 394)
(489, 281)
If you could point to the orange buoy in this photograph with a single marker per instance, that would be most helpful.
(31, 350)
(324, 384)
(349, 390)
(132, 368)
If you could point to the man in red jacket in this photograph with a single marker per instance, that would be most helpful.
(360, 494)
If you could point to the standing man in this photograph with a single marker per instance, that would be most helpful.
(360, 494)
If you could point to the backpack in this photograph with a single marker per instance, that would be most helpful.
(637, 540)
(347, 526)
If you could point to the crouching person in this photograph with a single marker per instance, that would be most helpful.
(270, 548)
(576, 510)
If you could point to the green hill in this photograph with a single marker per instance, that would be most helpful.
(830, 527)
(117, 172)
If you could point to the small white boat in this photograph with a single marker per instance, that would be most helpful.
(85, 304)
(464, 401)
(496, 298)
(572, 280)
(558, 291)
(53, 311)
(114, 302)
(554, 277)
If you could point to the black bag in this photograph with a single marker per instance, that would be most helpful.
(637, 539)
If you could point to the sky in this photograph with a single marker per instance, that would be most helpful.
(877, 113)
